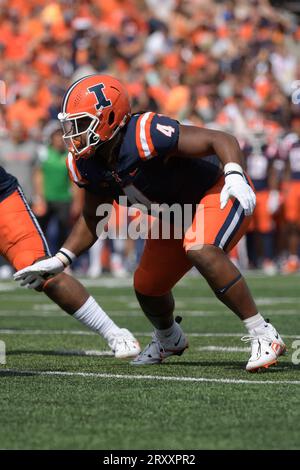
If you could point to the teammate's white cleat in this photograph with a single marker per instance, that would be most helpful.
(124, 344)
(266, 347)
(156, 351)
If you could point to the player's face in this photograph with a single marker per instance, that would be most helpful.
(77, 130)
(80, 138)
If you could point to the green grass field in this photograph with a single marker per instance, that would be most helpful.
(55, 396)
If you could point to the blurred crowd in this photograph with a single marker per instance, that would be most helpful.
(231, 65)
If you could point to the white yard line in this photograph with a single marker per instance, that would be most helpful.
(30, 313)
(148, 377)
(129, 298)
(112, 313)
(7, 287)
(223, 349)
(110, 283)
(11, 331)
(14, 331)
(134, 313)
(81, 352)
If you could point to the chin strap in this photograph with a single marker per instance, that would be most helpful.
(224, 289)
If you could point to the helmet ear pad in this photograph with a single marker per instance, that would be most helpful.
(111, 118)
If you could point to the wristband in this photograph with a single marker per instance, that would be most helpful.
(231, 166)
(65, 256)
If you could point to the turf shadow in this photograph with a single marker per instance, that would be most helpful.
(20, 352)
(233, 365)
(15, 373)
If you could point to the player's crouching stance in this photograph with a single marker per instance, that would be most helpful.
(22, 243)
(153, 159)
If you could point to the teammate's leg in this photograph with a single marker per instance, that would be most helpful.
(73, 298)
(23, 243)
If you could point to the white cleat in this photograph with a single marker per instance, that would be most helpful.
(124, 345)
(155, 352)
(266, 347)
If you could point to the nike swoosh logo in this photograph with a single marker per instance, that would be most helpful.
(134, 172)
(176, 344)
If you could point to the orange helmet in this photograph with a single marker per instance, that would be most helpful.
(94, 109)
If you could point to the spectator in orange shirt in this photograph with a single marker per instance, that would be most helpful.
(29, 111)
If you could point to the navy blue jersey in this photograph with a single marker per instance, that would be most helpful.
(143, 171)
(8, 184)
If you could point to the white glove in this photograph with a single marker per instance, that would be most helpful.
(273, 201)
(33, 276)
(237, 186)
(31, 281)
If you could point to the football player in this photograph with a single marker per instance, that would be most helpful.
(261, 167)
(291, 152)
(152, 158)
(23, 243)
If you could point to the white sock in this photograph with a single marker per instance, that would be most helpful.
(91, 315)
(167, 333)
(255, 323)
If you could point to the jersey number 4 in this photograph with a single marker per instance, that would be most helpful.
(166, 130)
